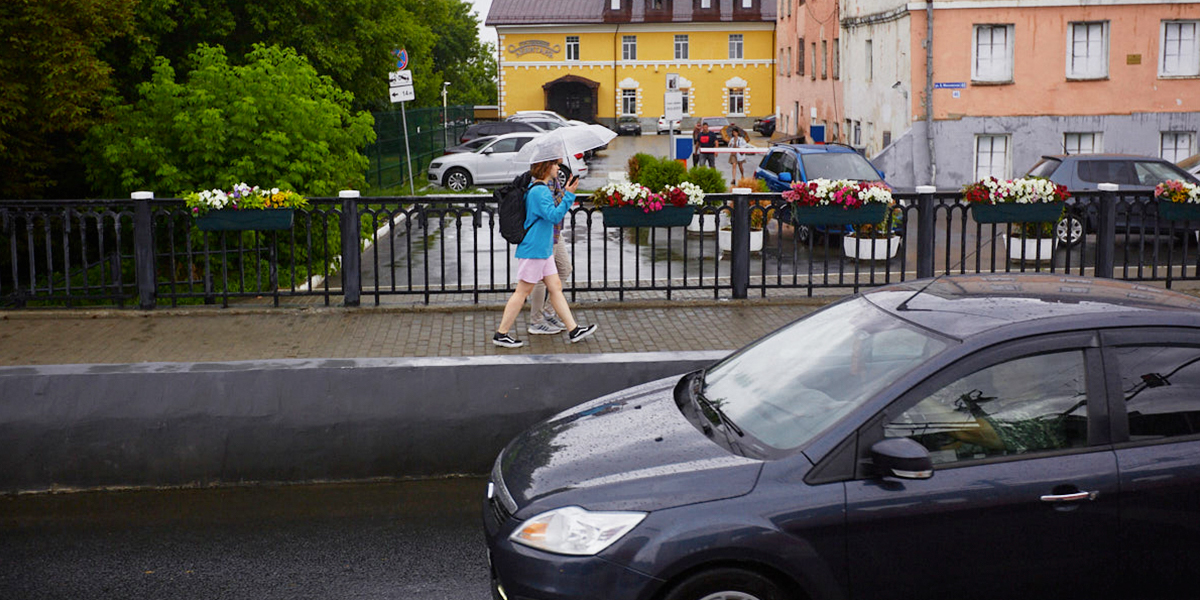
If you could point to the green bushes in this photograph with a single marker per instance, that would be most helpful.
(709, 179)
(659, 172)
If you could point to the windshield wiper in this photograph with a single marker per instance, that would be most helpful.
(708, 407)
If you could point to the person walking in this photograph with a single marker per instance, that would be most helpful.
(737, 160)
(696, 144)
(535, 255)
(543, 320)
(707, 139)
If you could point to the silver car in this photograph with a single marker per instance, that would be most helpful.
(494, 163)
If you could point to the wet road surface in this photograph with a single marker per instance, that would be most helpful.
(417, 539)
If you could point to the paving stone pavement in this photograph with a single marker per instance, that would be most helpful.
(210, 334)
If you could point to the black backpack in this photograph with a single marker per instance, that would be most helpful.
(511, 199)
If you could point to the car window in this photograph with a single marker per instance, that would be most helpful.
(838, 165)
(788, 164)
(1154, 173)
(1161, 388)
(521, 141)
(1120, 172)
(1044, 168)
(505, 145)
(773, 162)
(1031, 404)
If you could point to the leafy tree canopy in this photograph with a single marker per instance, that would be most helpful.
(270, 122)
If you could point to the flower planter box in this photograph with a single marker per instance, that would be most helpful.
(1011, 212)
(246, 220)
(725, 240)
(1179, 211)
(1029, 249)
(632, 216)
(835, 215)
(870, 248)
(704, 224)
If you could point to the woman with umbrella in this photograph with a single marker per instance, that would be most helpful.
(535, 254)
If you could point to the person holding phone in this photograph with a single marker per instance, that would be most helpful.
(543, 319)
(535, 262)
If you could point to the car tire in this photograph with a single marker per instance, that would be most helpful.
(457, 180)
(1069, 230)
(727, 584)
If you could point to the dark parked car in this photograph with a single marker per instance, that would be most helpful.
(765, 126)
(629, 126)
(497, 128)
(991, 436)
(1085, 172)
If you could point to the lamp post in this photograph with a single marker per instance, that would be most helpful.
(445, 84)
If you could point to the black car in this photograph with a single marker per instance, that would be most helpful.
(765, 126)
(991, 436)
(629, 126)
(1085, 172)
(497, 128)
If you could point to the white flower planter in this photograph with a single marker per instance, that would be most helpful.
(725, 240)
(1029, 250)
(709, 223)
(870, 249)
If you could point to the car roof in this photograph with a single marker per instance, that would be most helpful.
(1063, 157)
(814, 148)
(965, 305)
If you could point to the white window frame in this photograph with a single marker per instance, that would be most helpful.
(737, 46)
(1179, 49)
(615, 5)
(737, 102)
(629, 47)
(629, 102)
(1174, 146)
(572, 45)
(1087, 56)
(1083, 142)
(747, 3)
(681, 46)
(705, 3)
(993, 155)
(992, 53)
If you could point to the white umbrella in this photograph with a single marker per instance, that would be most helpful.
(564, 142)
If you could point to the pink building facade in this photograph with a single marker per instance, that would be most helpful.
(808, 79)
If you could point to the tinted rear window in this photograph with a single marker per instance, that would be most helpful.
(838, 165)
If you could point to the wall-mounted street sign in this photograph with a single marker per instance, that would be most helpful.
(950, 85)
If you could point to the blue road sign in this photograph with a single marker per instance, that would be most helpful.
(401, 59)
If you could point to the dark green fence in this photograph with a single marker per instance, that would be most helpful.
(426, 139)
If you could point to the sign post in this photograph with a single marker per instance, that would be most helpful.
(400, 89)
(672, 110)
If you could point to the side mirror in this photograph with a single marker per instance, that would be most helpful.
(881, 175)
(785, 177)
(488, 150)
(902, 458)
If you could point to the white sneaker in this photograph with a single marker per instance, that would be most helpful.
(544, 329)
(553, 319)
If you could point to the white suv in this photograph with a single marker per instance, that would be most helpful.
(491, 164)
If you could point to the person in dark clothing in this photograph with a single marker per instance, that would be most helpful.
(696, 144)
(707, 139)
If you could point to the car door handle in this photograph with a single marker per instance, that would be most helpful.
(1075, 497)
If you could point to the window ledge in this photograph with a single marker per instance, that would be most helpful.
(1195, 76)
(1100, 78)
(988, 82)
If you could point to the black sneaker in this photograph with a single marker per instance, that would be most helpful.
(506, 341)
(579, 333)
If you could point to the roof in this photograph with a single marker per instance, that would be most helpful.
(541, 12)
(816, 148)
(963, 305)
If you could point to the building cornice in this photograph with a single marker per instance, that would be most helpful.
(993, 4)
(632, 28)
(592, 64)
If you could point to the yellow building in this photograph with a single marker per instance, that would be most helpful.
(596, 60)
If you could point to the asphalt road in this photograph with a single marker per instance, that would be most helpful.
(412, 540)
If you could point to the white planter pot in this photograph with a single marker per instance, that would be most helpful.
(1029, 250)
(725, 240)
(708, 222)
(870, 249)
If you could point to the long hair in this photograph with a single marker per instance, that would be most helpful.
(542, 170)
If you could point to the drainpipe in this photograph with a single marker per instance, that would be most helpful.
(929, 91)
(616, 59)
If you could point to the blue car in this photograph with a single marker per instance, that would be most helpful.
(785, 164)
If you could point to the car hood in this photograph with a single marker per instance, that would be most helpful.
(632, 450)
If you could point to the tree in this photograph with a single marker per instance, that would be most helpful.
(271, 122)
(52, 87)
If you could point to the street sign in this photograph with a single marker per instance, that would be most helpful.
(398, 78)
(402, 93)
(673, 105)
(401, 58)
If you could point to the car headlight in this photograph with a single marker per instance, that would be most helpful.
(435, 165)
(573, 530)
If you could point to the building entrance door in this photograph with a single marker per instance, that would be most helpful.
(573, 97)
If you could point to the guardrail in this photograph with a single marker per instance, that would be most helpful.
(146, 252)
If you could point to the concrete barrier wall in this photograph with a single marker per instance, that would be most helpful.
(171, 424)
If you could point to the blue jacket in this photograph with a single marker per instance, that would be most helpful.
(541, 215)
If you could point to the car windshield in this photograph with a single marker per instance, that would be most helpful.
(790, 386)
(838, 165)
(1044, 168)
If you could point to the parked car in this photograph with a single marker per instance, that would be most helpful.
(765, 126)
(629, 126)
(497, 128)
(784, 164)
(537, 114)
(492, 164)
(665, 127)
(470, 146)
(1085, 172)
(1015, 435)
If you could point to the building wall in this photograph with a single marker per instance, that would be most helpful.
(808, 98)
(708, 70)
(877, 80)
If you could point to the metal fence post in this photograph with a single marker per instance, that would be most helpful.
(1106, 230)
(740, 269)
(926, 230)
(351, 250)
(143, 250)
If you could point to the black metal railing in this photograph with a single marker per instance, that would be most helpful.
(146, 252)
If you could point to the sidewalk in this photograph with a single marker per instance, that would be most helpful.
(209, 334)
